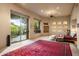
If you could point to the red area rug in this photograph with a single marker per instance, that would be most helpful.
(42, 48)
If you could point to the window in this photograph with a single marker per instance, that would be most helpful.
(18, 27)
(37, 26)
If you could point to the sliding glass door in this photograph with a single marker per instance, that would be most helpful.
(23, 28)
(18, 28)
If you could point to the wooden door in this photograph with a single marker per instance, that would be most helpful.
(46, 28)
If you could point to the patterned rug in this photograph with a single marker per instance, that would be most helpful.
(43, 48)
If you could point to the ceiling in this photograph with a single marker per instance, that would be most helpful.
(47, 9)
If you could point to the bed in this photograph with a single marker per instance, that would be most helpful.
(42, 48)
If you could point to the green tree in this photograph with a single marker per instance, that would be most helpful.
(15, 30)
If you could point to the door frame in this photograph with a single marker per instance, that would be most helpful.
(27, 36)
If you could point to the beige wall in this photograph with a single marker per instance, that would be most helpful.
(59, 29)
(78, 27)
(75, 15)
(5, 21)
(73, 20)
(4, 24)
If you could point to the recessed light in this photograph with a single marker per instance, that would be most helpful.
(57, 7)
(48, 12)
(53, 11)
(65, 22)
(42, 10)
